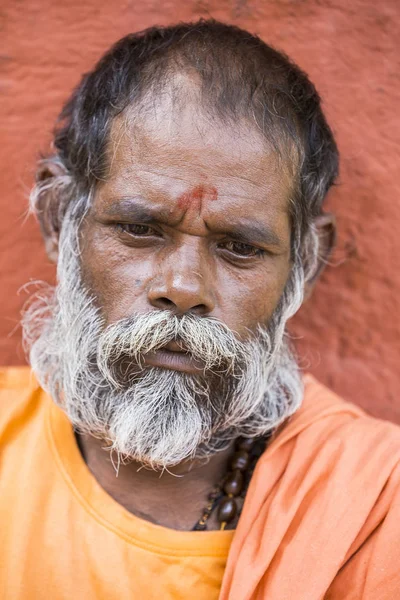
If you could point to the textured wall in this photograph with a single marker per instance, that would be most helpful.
(349, 332)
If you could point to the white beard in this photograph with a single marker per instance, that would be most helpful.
(156, 416)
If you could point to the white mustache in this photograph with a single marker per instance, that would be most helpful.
(207, 339)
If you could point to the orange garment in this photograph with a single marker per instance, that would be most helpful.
(321, 518)
(62, 537)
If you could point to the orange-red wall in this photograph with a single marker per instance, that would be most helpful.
(349, 332)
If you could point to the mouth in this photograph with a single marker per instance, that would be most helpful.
(174, 356)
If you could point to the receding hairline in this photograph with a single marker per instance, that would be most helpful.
(241, 74)
(182, 93)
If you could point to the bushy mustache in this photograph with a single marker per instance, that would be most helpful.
(208, 340)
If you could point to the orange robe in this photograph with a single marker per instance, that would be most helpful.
(321, 518)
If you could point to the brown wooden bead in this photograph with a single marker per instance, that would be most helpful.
(240, 460)
(227, 510)
(245, 444)
(234, 483)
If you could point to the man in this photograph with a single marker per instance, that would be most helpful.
(169, 446)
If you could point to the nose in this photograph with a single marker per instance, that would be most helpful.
(183, 284)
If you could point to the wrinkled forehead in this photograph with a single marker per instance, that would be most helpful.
(174, 130)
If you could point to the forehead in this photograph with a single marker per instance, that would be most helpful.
(169, 145)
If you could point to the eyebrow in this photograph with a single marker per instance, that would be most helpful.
(132, 209)
(253, 232)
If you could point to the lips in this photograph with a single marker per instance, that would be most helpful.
(174, 347)
(174, 356)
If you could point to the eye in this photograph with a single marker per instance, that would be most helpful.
(137, 230)
(242, 249)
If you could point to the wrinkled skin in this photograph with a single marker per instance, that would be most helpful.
(203, 182)
(203, 185)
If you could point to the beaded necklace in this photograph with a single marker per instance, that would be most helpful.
(229, 495)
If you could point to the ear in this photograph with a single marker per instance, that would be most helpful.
(325, 225)
(51, 179)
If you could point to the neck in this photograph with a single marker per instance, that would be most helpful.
(173, 498)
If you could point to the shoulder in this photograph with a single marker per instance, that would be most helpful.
(324, 409)
(20, 394)
(338, 436)
(340, 479)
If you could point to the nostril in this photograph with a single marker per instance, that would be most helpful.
(166, 303)
(199, 309)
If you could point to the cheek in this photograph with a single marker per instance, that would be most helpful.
(252, 297)
(118, 282)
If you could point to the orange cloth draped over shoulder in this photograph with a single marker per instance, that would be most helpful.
(321, 519)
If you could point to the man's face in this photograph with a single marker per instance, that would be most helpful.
(193, 217)
(162, 335)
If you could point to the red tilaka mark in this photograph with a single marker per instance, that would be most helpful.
(196, 196)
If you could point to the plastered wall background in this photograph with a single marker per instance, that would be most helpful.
(348, 334)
